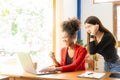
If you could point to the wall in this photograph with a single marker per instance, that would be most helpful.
(102, 10)
(69, 8)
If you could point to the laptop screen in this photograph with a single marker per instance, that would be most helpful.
(26, 62)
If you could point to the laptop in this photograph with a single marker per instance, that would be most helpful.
(27, 64)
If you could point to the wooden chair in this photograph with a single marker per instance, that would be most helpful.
(90, 64)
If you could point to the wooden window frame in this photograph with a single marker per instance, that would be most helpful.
(104, 1)
(115, 4)
(54, 25)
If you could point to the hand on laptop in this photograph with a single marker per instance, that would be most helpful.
(48, 69)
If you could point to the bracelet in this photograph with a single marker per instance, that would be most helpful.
(92, 36)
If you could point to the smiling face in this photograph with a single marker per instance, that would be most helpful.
(67, 39)
(69, 31)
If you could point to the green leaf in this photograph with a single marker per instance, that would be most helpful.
(14, 28)
(79, 41)
(6, 12)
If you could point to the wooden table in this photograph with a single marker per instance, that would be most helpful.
(58, 76)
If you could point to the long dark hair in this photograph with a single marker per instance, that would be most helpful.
(95, 20)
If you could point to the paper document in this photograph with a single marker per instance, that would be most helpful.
(90, 74)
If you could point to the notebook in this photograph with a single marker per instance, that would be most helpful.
(90, 74)
(27, 64)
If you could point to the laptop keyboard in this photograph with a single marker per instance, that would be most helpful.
(44, 73)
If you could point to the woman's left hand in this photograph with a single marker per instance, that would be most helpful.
(95, 29)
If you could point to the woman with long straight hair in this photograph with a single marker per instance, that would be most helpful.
(103, 42)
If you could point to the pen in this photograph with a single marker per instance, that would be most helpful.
(90, 73)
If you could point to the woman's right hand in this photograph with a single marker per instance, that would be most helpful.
(52, 55)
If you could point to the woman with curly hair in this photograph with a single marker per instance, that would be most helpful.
(72, 55)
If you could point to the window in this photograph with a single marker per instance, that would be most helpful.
(116, 22)
(104, 1)
(26, 26)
